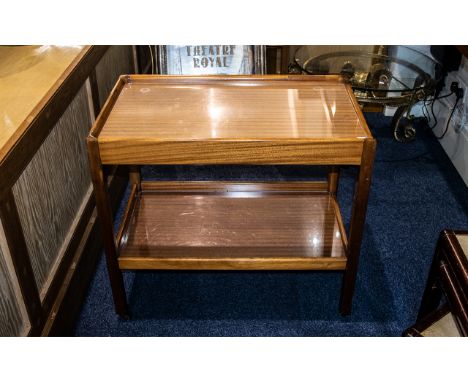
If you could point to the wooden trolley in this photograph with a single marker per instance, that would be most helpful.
(262, 120)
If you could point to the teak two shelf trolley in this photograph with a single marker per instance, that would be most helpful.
(262, 120)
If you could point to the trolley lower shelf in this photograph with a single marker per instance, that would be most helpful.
(214, 225)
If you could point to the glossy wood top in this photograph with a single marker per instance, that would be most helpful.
(233, 108)
(27, 75)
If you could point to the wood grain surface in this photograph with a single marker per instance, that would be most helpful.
(24, 143)
(244, 229)
(235, 260)
(27, 74)
(240, 120)
(278, 152)
(234, 110)
(51, 189)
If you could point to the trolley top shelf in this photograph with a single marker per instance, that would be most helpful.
(239, 119)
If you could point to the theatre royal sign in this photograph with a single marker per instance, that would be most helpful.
(211, 59)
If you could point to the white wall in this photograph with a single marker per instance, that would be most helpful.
(455, 141)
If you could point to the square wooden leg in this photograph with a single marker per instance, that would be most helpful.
(105, 215)
(358, 216)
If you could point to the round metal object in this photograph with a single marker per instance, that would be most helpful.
(402, 126)
(396, 76)
(391, 79)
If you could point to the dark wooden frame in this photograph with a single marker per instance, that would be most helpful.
(352, 244)
(45, 115)
(55, 315)
(425, 322)
(277, 59)
(87, 244)
(21, 262)
(448, 276)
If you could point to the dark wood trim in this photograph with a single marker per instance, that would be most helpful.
(68, 285)
(127, 214)
(68, 256)
(136, 68)
(425, 322)
(284, 59)
(70, 296)
(107, 227)
(21, 262)
(276, 59)
(432, 292)
(333, 177)
(411, 332)
(448, 249)
(18, 157)
(456, 298)
(459, 232)
(94, 92)
(457, 259)
(448, 276)
(358, 217)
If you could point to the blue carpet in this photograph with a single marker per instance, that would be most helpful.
(411, 201)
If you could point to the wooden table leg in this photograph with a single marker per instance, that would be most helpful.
(105, 215)
(135, 176)
(356, 227)
(333, 176)
(20, 257)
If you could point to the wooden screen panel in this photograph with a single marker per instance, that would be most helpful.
(52, 188)
(13, 318)
(116, 61)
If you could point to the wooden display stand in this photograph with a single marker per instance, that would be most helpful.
(448, 277)
(262, 120)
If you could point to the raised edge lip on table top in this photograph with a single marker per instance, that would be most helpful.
(95, 133)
